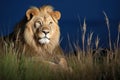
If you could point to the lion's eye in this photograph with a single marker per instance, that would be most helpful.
(50, 23)
(37, 24)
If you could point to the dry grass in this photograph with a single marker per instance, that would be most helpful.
(89, 67)
(83, 36)
(98, 64)
(118, 35)
(108, 26)
(97, 42)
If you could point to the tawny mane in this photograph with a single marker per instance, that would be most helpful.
(25, 34)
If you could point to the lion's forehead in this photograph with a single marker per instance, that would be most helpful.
(45, 16)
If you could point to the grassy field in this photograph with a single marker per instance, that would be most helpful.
(84, 67)
(90, 64)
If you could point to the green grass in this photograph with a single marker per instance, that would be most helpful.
(85, 65)
(83, 68)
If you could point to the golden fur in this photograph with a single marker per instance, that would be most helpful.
(39, 31)
(38, 36)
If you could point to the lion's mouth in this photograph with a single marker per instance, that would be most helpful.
(44, 40)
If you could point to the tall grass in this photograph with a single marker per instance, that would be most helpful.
(98, 64)
(83, 36)
(118, 35)
(108, 26)
(97, 42)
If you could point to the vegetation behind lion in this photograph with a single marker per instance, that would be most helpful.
(85, 67)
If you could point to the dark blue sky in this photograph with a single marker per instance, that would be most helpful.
(73, 13)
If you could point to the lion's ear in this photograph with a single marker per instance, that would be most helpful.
(56, 14)
(32, 12)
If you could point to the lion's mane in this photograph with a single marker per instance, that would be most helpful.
(24, 34)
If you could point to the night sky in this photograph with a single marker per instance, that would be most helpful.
(73, 14)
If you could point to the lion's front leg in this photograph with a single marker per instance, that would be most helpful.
(62, 65)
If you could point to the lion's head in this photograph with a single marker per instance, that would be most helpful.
(39, 33)
(41, 30)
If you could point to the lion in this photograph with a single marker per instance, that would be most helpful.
(38, 34)
(41, 31)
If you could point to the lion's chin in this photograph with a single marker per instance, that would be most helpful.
(44, 41)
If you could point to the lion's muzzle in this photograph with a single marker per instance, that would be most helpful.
(44, 36)
(45, 31)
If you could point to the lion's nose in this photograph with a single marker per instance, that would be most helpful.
(45, 32)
